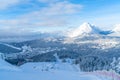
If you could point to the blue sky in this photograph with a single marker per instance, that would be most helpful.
(26, 16)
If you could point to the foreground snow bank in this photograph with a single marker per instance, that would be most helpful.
(46, 75)
(51, 71)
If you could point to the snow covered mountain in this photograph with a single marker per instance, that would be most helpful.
(84, 29)
(117, 28)
(115, 31)
(90, 34)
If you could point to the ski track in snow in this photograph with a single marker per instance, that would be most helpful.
(11, 46)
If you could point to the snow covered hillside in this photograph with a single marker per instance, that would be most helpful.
(4, 66)
(50, 71)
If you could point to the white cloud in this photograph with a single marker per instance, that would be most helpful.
(53, 15)
(4, 4)
(48, 1)
(60, 8)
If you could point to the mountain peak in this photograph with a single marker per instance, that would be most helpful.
(86, 23)
(85, 28)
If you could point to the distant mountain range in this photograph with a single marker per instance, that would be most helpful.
(86, 29)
